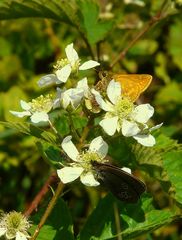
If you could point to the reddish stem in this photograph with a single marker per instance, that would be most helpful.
(34, 204)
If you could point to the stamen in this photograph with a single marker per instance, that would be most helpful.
(42, 103)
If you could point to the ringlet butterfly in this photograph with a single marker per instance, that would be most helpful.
(126, 187)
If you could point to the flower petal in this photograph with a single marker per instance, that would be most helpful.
(113, 91)
(63, 73)
(83, 84)
(69, 174)
(71, 53)
(155, 127)
(20, 236)
(109, 125)
(2, 231)
(58, 98)
(39, 117)
(145, 140)
(129, 128)
(21, 114)
(106, 106)
(128, 170)
(142, 113)
(73, 96)
(25, 106)
(99, 145)
(89, 64)
(69, 148)
(47, 80)
(89, 180)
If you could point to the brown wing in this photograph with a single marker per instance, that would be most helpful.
(133, 84)
(123, 185)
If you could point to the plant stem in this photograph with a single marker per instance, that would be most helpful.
(74, 131)
(48, 210)
(34, 204)
(85, 133)
(117, 221)
(147, 27)
(54, 129)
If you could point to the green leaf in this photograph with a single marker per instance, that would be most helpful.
(135, 219)
(6, 48)
(173, 165)
(50, 152)
(62, 124)
(170, 93)
(58, 225)
(151, 159)
(95, 29)
(161, 67)
(174, 43)
(32, 130)
(58, 10)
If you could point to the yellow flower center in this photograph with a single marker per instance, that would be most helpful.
(42, 104)
(122, 109)
(14, 222)
(85, 159)
(64, 61)
(61, 63)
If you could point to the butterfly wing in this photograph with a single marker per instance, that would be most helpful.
(133, 85)
(123, 185)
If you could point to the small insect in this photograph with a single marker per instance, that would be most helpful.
(123, 185)
(133, 85)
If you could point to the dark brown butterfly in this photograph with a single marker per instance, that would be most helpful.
(123, 185)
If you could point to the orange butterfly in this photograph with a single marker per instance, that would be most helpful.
(133, 85)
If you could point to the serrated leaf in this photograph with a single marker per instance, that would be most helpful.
(135, 219)
(95, 29)
(58, 10)
(151, 159)
(173, 165)
(58, 225)
(32, 130)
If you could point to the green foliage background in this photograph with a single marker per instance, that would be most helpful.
(33, 35)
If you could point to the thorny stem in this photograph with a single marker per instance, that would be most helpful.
(34, 204)
(147, 27)
(48, 210)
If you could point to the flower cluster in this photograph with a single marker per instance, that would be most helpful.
(123, 116)
(117, 114)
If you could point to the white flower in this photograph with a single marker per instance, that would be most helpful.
(122, 115)
(136, 2)
(14, 226)
(65, 67)
(38, 109)
(72, 96)
(82, 165)
(48, 80)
